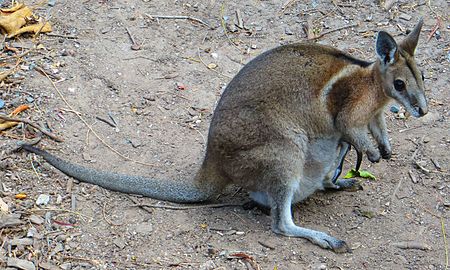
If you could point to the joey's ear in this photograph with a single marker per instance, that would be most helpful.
(386, 48)
(409, 44)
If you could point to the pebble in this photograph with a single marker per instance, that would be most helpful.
(21, 242)
(36, 220)
(43, 199)
(20, 264)
(208, 265)
(395, 108)
(405, 17)
(430, 117)
(288, 31)
(30, 99)
(2, 103)
(120, 243)
(144, 228)
(32, 232)
(214, 55)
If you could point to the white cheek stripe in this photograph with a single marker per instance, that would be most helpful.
(346, 71)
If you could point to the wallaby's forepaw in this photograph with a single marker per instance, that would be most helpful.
(385, 151)
(373, 156)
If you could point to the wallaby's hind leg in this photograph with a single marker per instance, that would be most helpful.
(282, 222)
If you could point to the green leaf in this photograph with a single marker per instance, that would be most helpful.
(351, 174)
(361, 173)
(366, 174)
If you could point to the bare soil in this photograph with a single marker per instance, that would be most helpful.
(162, 97)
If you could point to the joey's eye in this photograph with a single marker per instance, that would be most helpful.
(399, 85)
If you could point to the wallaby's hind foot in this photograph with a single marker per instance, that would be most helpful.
(319, 238)
(283, 224)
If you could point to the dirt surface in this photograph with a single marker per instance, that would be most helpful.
(162, 97)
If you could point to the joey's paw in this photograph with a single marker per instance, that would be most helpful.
(373, 156)
(349, 184)
(385, 151)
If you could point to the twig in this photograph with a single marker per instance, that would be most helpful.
(177, 18)
(106, 121)
(266, 245)
(61, 35)
(106, 219)
(135, 201)
(334, 30)
(187, 207)
(134, 46)
(445, 243)
(222, 22)
(435, 28)
(89, 126)
(36, 126)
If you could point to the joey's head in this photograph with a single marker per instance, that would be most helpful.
(401, 78)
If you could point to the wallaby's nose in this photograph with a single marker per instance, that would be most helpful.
(422, 111)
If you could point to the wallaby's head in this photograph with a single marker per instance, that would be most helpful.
(402, 80)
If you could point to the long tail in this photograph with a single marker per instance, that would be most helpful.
(167, 190)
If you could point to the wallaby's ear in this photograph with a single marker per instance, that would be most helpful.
(386, 48)
(409, 44)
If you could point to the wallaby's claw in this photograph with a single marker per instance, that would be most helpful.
(385, 151)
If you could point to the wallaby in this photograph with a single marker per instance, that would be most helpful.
(282, 127)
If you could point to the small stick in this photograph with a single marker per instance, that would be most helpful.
(135, 46)
(435, 28)
(106, 121)
(413, 178)
(36, 126)
(412, 245)
(176, 18)
(266, 245)
(61, 36)
(334, 30)
(106, 219)
(187, 207)
(146, 209)
(445, 242)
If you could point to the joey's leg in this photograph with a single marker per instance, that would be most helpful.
(335, 182)
(377, 127)
(282, 223)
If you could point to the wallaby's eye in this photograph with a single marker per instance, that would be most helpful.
(399, 85)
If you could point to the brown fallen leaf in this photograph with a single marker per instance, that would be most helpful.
(20, 19)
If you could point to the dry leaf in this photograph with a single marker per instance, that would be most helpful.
(20, 196)
(20, 19)
(3, 206)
